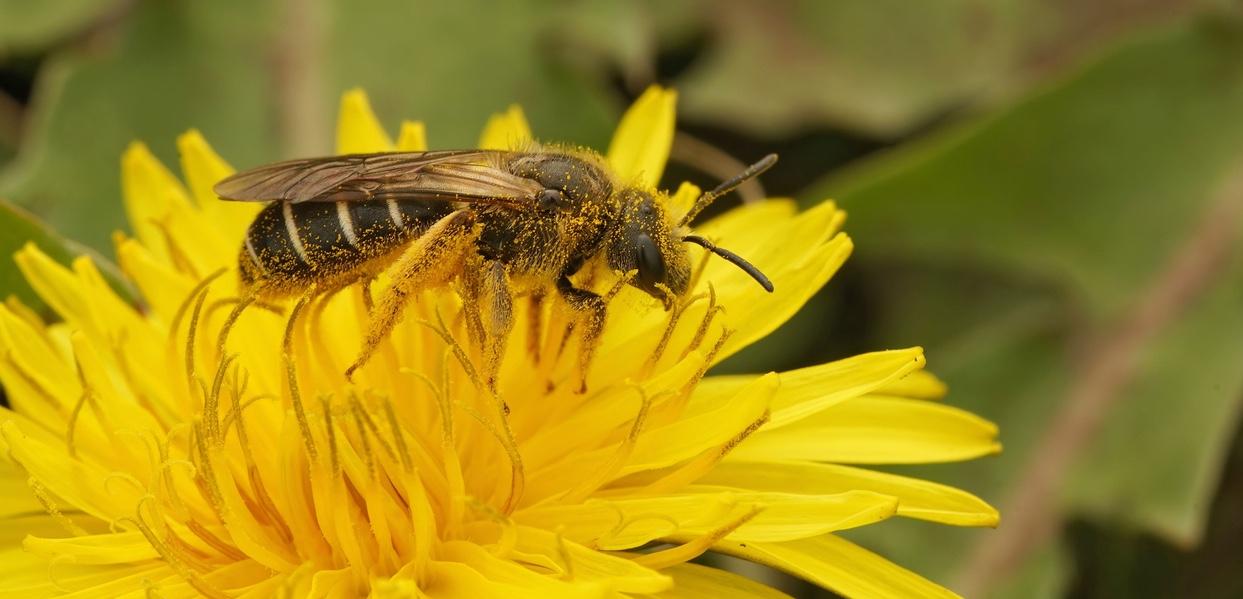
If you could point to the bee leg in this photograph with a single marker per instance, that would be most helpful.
(590, 313)
(472, 294)
(535, 325)
(429, 261)
(500, 317)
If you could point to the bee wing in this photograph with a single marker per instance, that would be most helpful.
(453, 175)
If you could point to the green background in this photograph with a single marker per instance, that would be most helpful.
(1047, 196)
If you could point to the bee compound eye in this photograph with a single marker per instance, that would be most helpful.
(552, 199)
(651, 265)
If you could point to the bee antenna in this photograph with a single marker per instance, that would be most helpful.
(732, 258)
(747, 174)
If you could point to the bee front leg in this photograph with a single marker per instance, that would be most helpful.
(429, 261)
(590, 312)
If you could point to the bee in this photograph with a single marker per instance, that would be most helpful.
(498, 222)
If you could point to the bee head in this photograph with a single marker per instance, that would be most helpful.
(657, 252)
(644, 242)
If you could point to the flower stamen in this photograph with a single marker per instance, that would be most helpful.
(211, 415)
(403, 451)
(601, 476)
(174, 561)
(690, 385)
(624, 522)
(165, 485)
(364, 443)
(291, 375)
(195, 298)
(692, 549)
(675, 316)
(701, 464)
(509, 533)
(206, 481)
(334, 458)
(242, 303)
(365, 420)
(698, 272)
(214, 541)
(45, 499)
(702, 331)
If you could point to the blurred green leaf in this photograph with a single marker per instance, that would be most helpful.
(1074, 199)
(454, 64)
(236, 70)
(166, 70)
(31, 25)
(1173, 432)
(883, 67)
(17, 228)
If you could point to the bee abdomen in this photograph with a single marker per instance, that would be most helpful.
(290, 246)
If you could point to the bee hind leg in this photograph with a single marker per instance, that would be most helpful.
(590, 312)
(492, 307)
(429, 261)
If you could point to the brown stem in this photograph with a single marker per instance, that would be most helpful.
(707, 158)
(1031, 513)
(297, 74)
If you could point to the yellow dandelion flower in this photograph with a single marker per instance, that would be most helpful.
(142, 457)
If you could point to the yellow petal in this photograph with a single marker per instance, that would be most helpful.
(810, 390)
(109, 548)
(151, 194)
(256, 540)
(16, 498)
(81, 485)
(358, 129)
(163, 287)
(507, 572)
(453, 580)
(203, 168)
(333, 583)
(641, 144)
(506, 131)
(743, 221)
(682, 200)
(57, 286)
(589, 565)
(412, 137)
(37, 378)
(233, 578)
(917, 385)
(754, 314)
(83, 298)
(916, 498)
(24, 574)
(625, 522)
(693, 581)
(694, 434)
(838, 565)
(877, 430)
